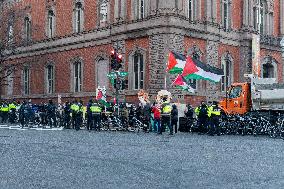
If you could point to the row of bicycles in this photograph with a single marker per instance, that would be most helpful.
(253, 124)
(109, 121)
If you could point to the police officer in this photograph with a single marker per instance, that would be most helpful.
(24, 114)
(12, 112)
(81, 113)
(96, 111)
(75, 115)
(214, 114)
(202, 115)
(51, 114)
(166, 116)
(189, 116)
(89, 115)
(5, 112)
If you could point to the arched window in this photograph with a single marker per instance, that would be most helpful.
(27, 28)
(77, 76)
(50, 24)
(227, 66)
(269, 68)
(26, 80)
(102, 68)
(10, 33)
(103, 10)
(78, 17)
(50, 86)
(137, 71)
(226, 14)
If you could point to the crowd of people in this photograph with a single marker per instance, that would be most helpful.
(74, 115)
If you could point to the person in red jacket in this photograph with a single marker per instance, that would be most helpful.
(157, 117)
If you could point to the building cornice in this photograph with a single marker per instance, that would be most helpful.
(157, 24)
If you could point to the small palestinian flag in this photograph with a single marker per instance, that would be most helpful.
(181, 83)
(176, 63)
(195, 69)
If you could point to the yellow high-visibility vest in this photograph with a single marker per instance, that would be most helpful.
(12, 106)
(167, 109)
(75, 107)
(95, 109)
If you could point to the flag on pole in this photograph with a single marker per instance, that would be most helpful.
(195, 69)
(101, 96)
(181, 83)
(176, 63)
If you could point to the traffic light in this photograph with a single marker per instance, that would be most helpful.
(116, 60)
(117, 84)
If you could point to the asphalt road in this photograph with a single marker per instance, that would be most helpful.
(69, 159)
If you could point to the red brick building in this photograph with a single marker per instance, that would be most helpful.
(63, 47)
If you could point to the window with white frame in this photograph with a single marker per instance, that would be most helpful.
(141, 9)
(78, 17)
(138, 71)
(103, 11)
(27, 28)
(258, 15)
(226, 80)
(77, 76)
(50, 24)
(226, 14)
(50, 79)
(26, 80)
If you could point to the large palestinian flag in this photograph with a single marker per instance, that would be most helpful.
(195, 69)
(181, 83)
(176, 63)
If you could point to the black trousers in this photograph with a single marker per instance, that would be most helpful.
(96, 121)
(214, 126)
(67, 119)
(4, 117)
(166, 122)
(174, 125)
(202, 124)
(12, 116)
(89, 121)
(52, 120)
(76, 121)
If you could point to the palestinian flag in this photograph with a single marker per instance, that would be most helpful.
(176, 63)
(181, 83)
(195, 69)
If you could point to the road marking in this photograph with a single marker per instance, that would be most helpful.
(18, 127)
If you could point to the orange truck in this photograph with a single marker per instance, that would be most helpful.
(260, 94)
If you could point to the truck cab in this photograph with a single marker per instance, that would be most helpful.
(237, 100)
